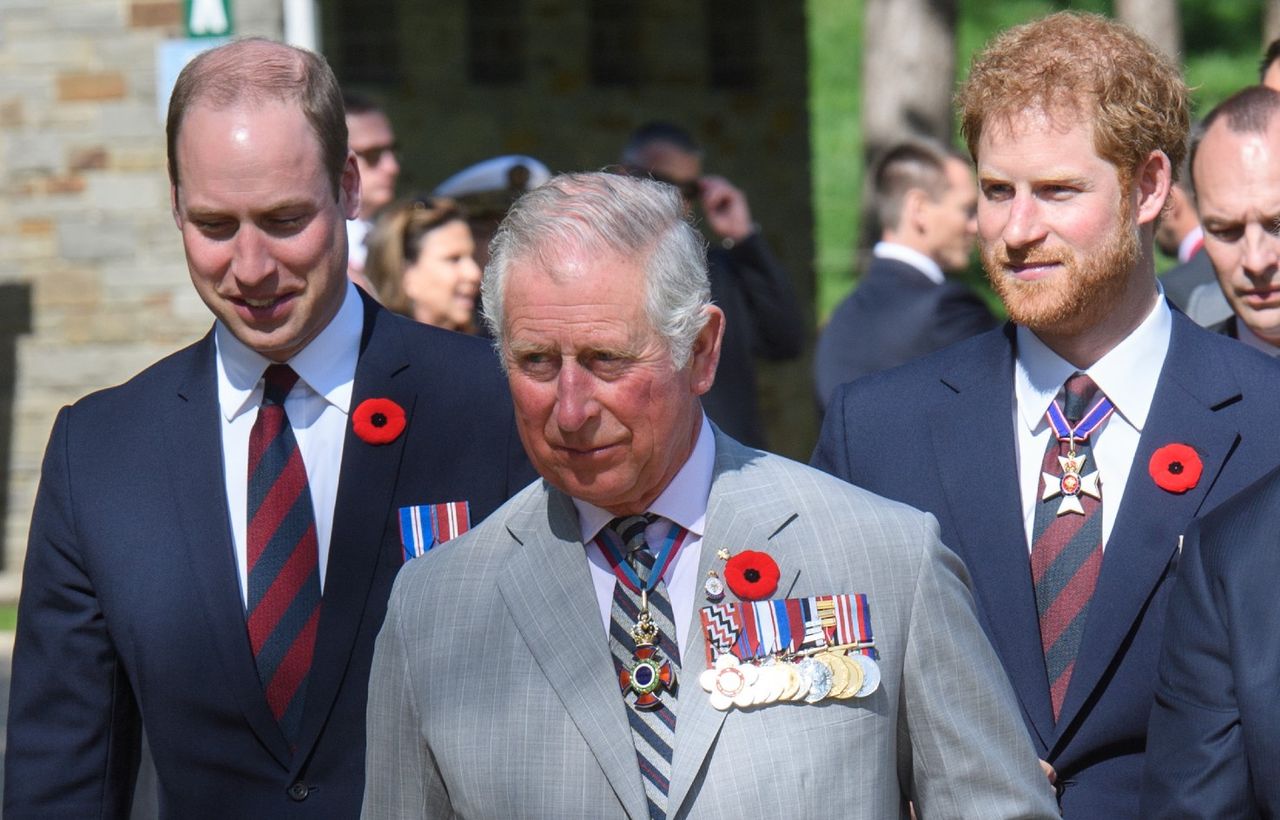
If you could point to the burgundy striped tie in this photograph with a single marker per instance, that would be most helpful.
(284, 573)
(1066, 552)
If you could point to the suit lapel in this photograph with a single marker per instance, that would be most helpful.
(973, 441)
(737, 519)
(547, 588)
(1145, 534)
(366, 493)
(194, 456)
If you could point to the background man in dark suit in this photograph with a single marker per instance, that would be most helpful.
(926, 202)
(1236, 167)
(1076, 124)
(1178, 234)
(1215, 728)
(214, 541)
(762, 316)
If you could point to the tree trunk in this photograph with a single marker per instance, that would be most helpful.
(1159, 21)
(908, 70)
(1270, 22)
(908, 75)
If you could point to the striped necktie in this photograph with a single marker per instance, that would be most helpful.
(653, 730)
(1066, 551)
(284, 573)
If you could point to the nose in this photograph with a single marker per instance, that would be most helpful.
(1023, 225)
(1261, 251)
(470, 270)
(575, 404)
(251, 260)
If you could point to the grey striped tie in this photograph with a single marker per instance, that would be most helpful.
(652, 729)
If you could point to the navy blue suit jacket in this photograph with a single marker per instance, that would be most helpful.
(896, 314)
(938, 434)
(1215, 729)
(131, 611)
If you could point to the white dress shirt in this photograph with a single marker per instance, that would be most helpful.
(1127, 375)
(684, 502)
(318, 407)
(357, 234)
(912, 257)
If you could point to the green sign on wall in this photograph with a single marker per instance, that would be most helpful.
(208, 18)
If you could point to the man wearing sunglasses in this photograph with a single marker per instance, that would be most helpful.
(373, 142)
(763, 318)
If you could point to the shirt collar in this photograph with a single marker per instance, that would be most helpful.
(1245, 334)
(1190, 243)
(684, 500)
(1127, 374)
(327, 365)
(912, 257)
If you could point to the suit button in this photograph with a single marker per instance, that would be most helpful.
(299, 791)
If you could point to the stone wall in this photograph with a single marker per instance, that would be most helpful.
(93, 285)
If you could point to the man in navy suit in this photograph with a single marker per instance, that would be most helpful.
(214, 541)
(1213, 738)
(905, 307)
(1065, 454)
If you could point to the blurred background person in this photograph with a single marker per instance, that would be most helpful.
(926, 202)
(1269, 70)
(421, 263)
(486, 190)
(762, 315)
(370, 136)
(1179, 235)
(1236, 163)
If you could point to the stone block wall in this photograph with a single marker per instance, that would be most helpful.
(93, 284)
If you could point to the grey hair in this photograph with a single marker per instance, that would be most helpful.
(589, 213)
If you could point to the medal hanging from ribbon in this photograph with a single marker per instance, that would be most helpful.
(650, 671)
(1073, 483)
(789, 650)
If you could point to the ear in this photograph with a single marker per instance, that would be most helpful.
(1151, 182)
(349, 187)
(915, 204)
(705, 356)
(173, 205)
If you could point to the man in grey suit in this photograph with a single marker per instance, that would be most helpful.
(536, 667)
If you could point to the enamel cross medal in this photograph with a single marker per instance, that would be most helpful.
(649, 671)
(1073, 483)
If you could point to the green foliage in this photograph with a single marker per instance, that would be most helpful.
(1222, 46)
(8, 617)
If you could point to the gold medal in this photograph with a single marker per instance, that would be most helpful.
(855, 678)
(839, 672)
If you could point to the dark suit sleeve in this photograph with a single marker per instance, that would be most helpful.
(1196, 764)
(832, 453)
(776, 318)
(73, 731)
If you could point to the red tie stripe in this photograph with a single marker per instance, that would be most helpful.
(1066, 555)
(283, 563)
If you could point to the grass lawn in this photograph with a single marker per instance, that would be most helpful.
(8, 617)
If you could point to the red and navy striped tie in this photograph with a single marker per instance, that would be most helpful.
(1066, 552)
(284, 572)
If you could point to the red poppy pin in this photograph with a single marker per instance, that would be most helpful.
(751, 575)
(378, 421)
(1175, 468)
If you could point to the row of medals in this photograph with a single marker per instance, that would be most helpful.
(818, 677)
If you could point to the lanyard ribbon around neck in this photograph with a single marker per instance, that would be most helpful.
(626, 574)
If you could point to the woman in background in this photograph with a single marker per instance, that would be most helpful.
(421, 263)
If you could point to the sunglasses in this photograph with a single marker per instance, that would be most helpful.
(690, 189)
(373, 156)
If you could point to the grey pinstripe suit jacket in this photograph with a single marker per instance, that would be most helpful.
(493, 693)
